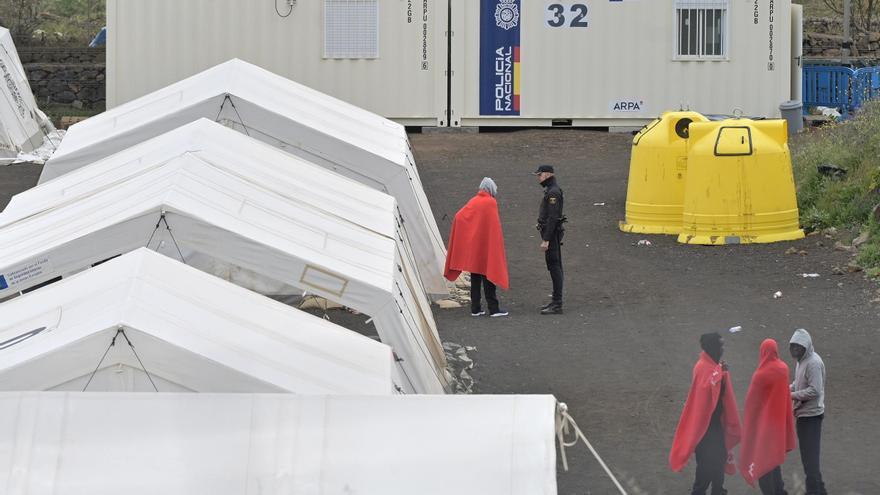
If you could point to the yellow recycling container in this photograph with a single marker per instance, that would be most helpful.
(657, 173)
(740, 186)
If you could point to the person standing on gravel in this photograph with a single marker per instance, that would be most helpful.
(551, 226)
(808, 395)
(476, 245)
(709, 426)
(768, 423)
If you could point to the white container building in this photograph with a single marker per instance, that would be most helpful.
(387, 56)
(510, 62)
(618, 62)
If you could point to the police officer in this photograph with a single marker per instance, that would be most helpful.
(550, 225)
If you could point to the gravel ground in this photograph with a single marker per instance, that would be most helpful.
(622, 354)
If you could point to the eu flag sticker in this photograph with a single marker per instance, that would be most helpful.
(3, 284)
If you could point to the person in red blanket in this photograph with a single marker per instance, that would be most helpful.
(476, 245)
(709, 424)
(768, 423)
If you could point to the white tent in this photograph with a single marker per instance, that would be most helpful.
(237, 208)
(230, 444)
(331, 133)
(22, 125)
(191, 331)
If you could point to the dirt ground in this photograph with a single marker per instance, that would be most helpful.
(622, 353)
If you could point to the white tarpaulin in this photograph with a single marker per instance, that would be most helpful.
(22, 125)
(182, 444)
(189, 332)
(336, 135)
(240, 209)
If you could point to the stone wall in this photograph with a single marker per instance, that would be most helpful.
(70, 55)
(823, 38)
(66, 75)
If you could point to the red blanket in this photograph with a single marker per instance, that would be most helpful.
(701, 402)
(768, 421)
(476, 243)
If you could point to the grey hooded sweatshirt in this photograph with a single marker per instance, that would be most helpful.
(808, 387)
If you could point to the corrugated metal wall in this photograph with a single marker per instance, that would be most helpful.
(625, 54)
(153, 43)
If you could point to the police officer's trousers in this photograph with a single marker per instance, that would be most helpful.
(553, 257)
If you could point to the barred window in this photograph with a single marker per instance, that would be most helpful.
(701, 28)
(351, 29)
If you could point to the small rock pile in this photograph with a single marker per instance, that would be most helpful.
(459, 293)
(458, 362)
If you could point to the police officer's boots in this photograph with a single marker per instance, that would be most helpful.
(554, 308)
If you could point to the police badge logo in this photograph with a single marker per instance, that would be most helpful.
(506, 14)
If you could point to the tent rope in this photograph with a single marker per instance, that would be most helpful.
(164, 220)
(565, 423)
(228, 97)
(120, 330)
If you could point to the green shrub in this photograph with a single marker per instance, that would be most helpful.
(846, 201)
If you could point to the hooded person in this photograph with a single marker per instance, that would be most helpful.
(476, 245)
(709, 426)
(808, 396)
(768, 423)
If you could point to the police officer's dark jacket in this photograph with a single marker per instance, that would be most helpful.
(550, 216)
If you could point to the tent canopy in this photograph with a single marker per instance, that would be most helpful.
(176, 444)
(192, 331)
(333, 134)
(185, 196)
(21, 122)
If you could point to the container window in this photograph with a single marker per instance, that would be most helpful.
(701, 29)
(734, 141)
(351, 29)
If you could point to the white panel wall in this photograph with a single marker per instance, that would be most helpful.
(797, 46)
(153, 43)
(626, 53)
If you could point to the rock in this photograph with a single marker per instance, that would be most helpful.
(448, 304)
(77, 104)
(839, 246)
(837, 271)
(861, 239)
(791, 251)
(65, 97)
(831, 170)
(463, 281)
(829, 232)
(802, 253)
(853, 268)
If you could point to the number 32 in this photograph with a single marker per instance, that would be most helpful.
(557, 10)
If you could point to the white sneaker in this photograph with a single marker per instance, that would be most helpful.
(501, 312)
(481, 313)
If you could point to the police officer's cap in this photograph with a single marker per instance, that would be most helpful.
(544, 168)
